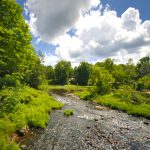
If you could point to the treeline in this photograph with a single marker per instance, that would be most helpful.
(104, 75)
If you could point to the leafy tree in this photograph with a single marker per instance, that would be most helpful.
(62, 72)
(82, 73)
(50, 74)
(130, 71)
(101, 80)
(119, 74)
(17, 56)
(144, 83)
(107, 64)
(143, 67)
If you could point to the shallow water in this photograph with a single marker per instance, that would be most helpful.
(90, 129)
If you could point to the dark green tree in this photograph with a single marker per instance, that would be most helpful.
(82, 73)
(143, 67)
(107, 64)
(62, 72)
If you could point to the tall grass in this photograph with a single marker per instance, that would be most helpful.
(20, 108)
(125, 99)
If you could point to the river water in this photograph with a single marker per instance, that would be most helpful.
(90, 129)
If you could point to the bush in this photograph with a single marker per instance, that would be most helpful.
(101, 80)
(144, 83)
(5, 145)
(116, 103)
(68, 112)
(23, 107)
(9, 81)
(126, 94)
(85, 95)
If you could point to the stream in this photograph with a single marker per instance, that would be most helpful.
(90, 129)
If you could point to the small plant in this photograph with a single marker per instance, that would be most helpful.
(68, 112)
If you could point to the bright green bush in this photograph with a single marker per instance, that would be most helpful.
(23, 107)
(101, 80)
(116, 103)
(129, 95)
(85, 95)
(68, 112)
(5, 145)
(144, 83)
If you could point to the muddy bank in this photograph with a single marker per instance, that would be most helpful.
(90, 128)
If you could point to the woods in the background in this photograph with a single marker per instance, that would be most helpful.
(104, 76)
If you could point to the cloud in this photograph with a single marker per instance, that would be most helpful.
(50, 59)
(106, 35)
(98, 33)
(53, 17)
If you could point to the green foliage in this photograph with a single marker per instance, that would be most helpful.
(101, 80)
(68, 88)
(5, 145)
(120, 75)
(85, 95)
(18, 60)
(20, 107)
(131, 96)
(68, 112)
(107, 64)
(10, 80)
(62, 72)
(143, 67)
(144, 83)
(116, 103)
(82, 73)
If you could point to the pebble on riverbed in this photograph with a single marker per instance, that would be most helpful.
(145, 122)
(99, 107)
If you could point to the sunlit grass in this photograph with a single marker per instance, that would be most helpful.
(29, 107)
(68, 112)
(136, 104)
(68, 87)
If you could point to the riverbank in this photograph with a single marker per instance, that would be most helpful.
(131, 102)
(20, 109)
(90, 128)
(126, 100)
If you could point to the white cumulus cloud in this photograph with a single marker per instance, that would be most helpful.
(98, 34)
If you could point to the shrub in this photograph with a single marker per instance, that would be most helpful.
(126, 94)
(101, 80)
(68, 112)
(144, 83)
(23, 107)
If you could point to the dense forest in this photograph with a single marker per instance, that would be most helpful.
(25, 103)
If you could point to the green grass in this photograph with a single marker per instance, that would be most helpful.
(85, 95)
(142, 110)
(68, 88)
(127, 100)
(110, 100)
(68, 112)
(20, 108)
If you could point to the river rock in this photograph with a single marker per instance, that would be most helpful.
(23, 146)
(95, 119)
(147, 123)
(99, 107)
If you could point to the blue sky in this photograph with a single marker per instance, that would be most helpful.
(118, 29)
(121, 5)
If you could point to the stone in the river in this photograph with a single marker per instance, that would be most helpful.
(99, 107)
(23, 146)
(145, 122)
(95, 119)
(88, 127)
